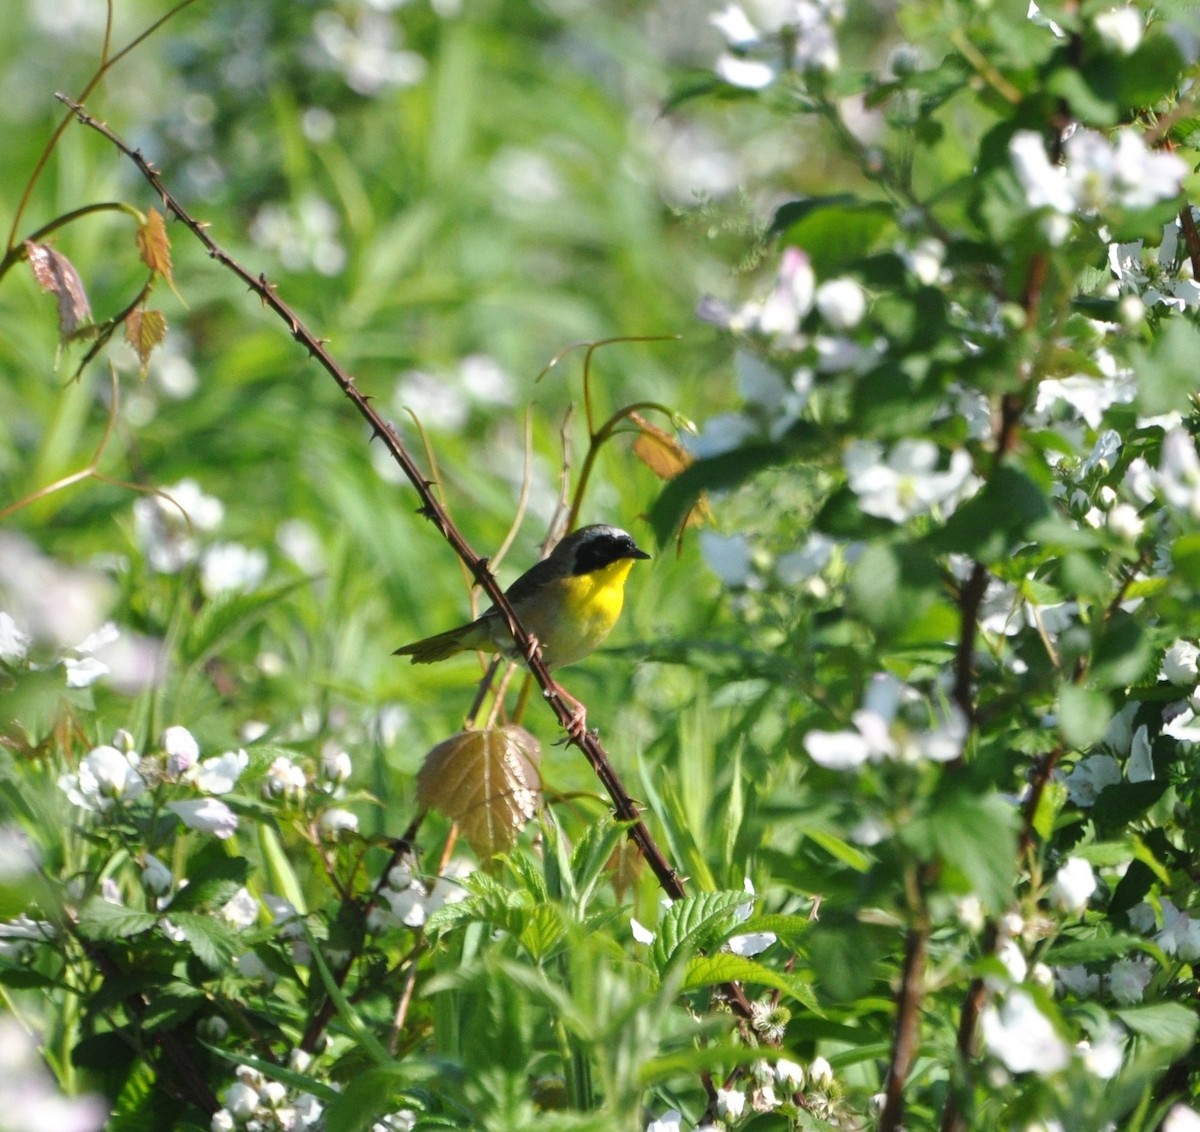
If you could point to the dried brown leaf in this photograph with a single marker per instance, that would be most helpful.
(144, 330)
(154, 246)
(487, 781)
(659, 450)
(57, 275)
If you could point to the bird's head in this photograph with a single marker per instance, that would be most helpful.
(592, 548)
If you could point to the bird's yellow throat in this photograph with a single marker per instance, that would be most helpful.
(594, 600)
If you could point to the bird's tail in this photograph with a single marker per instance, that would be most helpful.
(432, 649)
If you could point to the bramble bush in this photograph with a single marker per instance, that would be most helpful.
(908, 700)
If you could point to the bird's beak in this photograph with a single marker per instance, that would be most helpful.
(637, 552)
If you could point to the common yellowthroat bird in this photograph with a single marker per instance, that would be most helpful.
(568, 602)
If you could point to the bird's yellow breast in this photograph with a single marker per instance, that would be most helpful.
(571, 616)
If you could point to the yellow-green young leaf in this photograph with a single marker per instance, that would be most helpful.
(154, 247)
(57, 275)
(143, 331)
(487, 781)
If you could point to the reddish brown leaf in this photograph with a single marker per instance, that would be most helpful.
(487, 781)
(154, 247)
(659, 450)
(144, 330)
(56, 274)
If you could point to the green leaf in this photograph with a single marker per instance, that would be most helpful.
(101, 920)
(990, 525)
(213, 877)
(892, 584)
(367, 1097)
(1185, 559)
(725, 967)
(1096, 950)
(1166, 1024)
(1167, 370)
(716, 473)
(835, 231)
(1083, 715)
(229, 615)
(210, 940)
(1123, 654)
(974, 835)
(692, 924)
(171, 1005)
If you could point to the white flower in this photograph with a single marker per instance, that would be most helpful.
(820, 1073)
(219, 775)
(731, 1103)
(1096, 173)
(252, 967)
(1178, 476)
(336, 820)
(207, 815)
(1045, 185)
(670, 1121)
(1181, 1119)
(14, 644)
(1140, 768)
(240, 910)
(82, 672)
(1180, 933)
(241, 1100)
(1126, 523)
(1141, 918)
(31, 1097)
(284, 777)
(181, 748)
(1022, 1037)
(1181, 664)
(105, 776)
(1078, 980)
(1073, 885)
(229, 567)
(156, 876)
(841, 303)
(792, 297)
(1013, 961)
(640, 933)
(789, 1075)
(727, 556)
(1128, 979)
(222, 1121)
(1090, 397)
(1120, 29)
(166, 524)
(749, 74)
(1090, 777)
(905, 482)
(336, 766)
(1102, 1056)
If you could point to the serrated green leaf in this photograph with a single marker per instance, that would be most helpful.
(213, 877)
(1166, 1024)
(171, 1005)
(691, 924)
(210, 940)
(100, 919)
(725, 967)
(226, 616)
